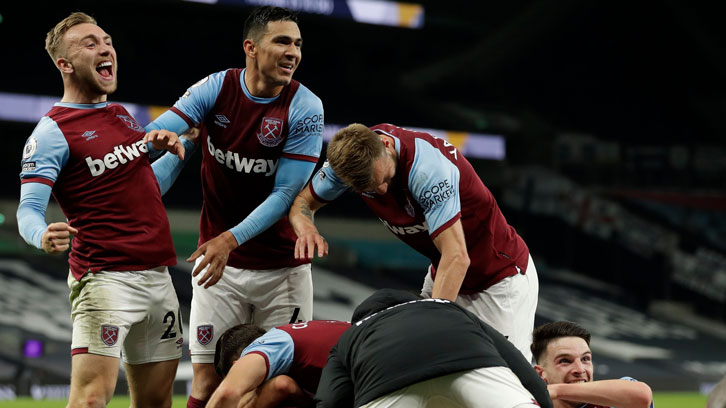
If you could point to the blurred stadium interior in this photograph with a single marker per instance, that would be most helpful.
(611, 115)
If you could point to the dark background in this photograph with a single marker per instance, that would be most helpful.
(562, 81)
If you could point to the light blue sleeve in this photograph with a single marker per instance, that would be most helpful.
(168, 120)
(278, 347)
(45, 153)
(326, 185)
(434, 184)
(196, 102)
(306, 125)
(167, 168)
(290, 178)
(31, 212)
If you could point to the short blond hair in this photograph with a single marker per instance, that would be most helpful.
(351, 154)
(54, 39)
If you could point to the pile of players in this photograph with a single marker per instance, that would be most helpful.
(465, 341)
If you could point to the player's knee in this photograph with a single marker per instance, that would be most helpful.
(88, 400)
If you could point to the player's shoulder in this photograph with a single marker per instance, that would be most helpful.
(306, 99)
(47, 128)
(216, 77)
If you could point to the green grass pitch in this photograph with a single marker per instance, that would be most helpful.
(661, 399)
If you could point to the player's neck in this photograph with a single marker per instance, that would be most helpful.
(258, 87)
(75, 94)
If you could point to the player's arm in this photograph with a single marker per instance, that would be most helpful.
(281, 389)
(454, 262)
(187, 112)
(289, 180)
(44, 155)
(611, 393)
(323, 188)
(302, 219)
(336, 387)
(167, 168)
(244, 376)
(434, 183)
(52, 239)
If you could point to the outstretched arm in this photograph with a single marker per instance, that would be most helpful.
(167, 168)
(290, 178)
(611, 393)
(301, 216)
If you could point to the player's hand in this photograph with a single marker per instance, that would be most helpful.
(215, 251)
(306, 244)
(192, 135)
(165, 140)
(57, 237)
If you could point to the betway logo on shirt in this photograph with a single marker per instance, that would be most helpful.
(120, 155)
(242, 164)
(408, 230)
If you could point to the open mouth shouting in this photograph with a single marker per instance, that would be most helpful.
(105, 69)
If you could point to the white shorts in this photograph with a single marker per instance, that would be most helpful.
(267, 298)
(487, 387)
(508, 306)
(136, 311)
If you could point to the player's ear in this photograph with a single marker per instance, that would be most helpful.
(64, 65)
(540, 371)
(250, 48)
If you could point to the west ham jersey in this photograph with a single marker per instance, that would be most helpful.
(246, 136)
(94, 158)
(299, 350)
(435, 186)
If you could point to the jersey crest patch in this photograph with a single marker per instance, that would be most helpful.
(205, 334)
(109, 334)
(270, 133)
(30, 146)
(131, 123)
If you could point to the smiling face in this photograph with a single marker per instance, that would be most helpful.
(88, 63)
(272, 60)
(566, 360)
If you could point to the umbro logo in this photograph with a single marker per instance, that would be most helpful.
(221, 120)
(89, 134)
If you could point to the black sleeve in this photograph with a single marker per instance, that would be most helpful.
(335, 389)
(521, 367)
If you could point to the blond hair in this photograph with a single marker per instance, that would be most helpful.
(54, 39)
(351, 154)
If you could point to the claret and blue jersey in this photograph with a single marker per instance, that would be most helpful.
(257, 155)
(299, 350)
(434, 187)
(90, 155)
